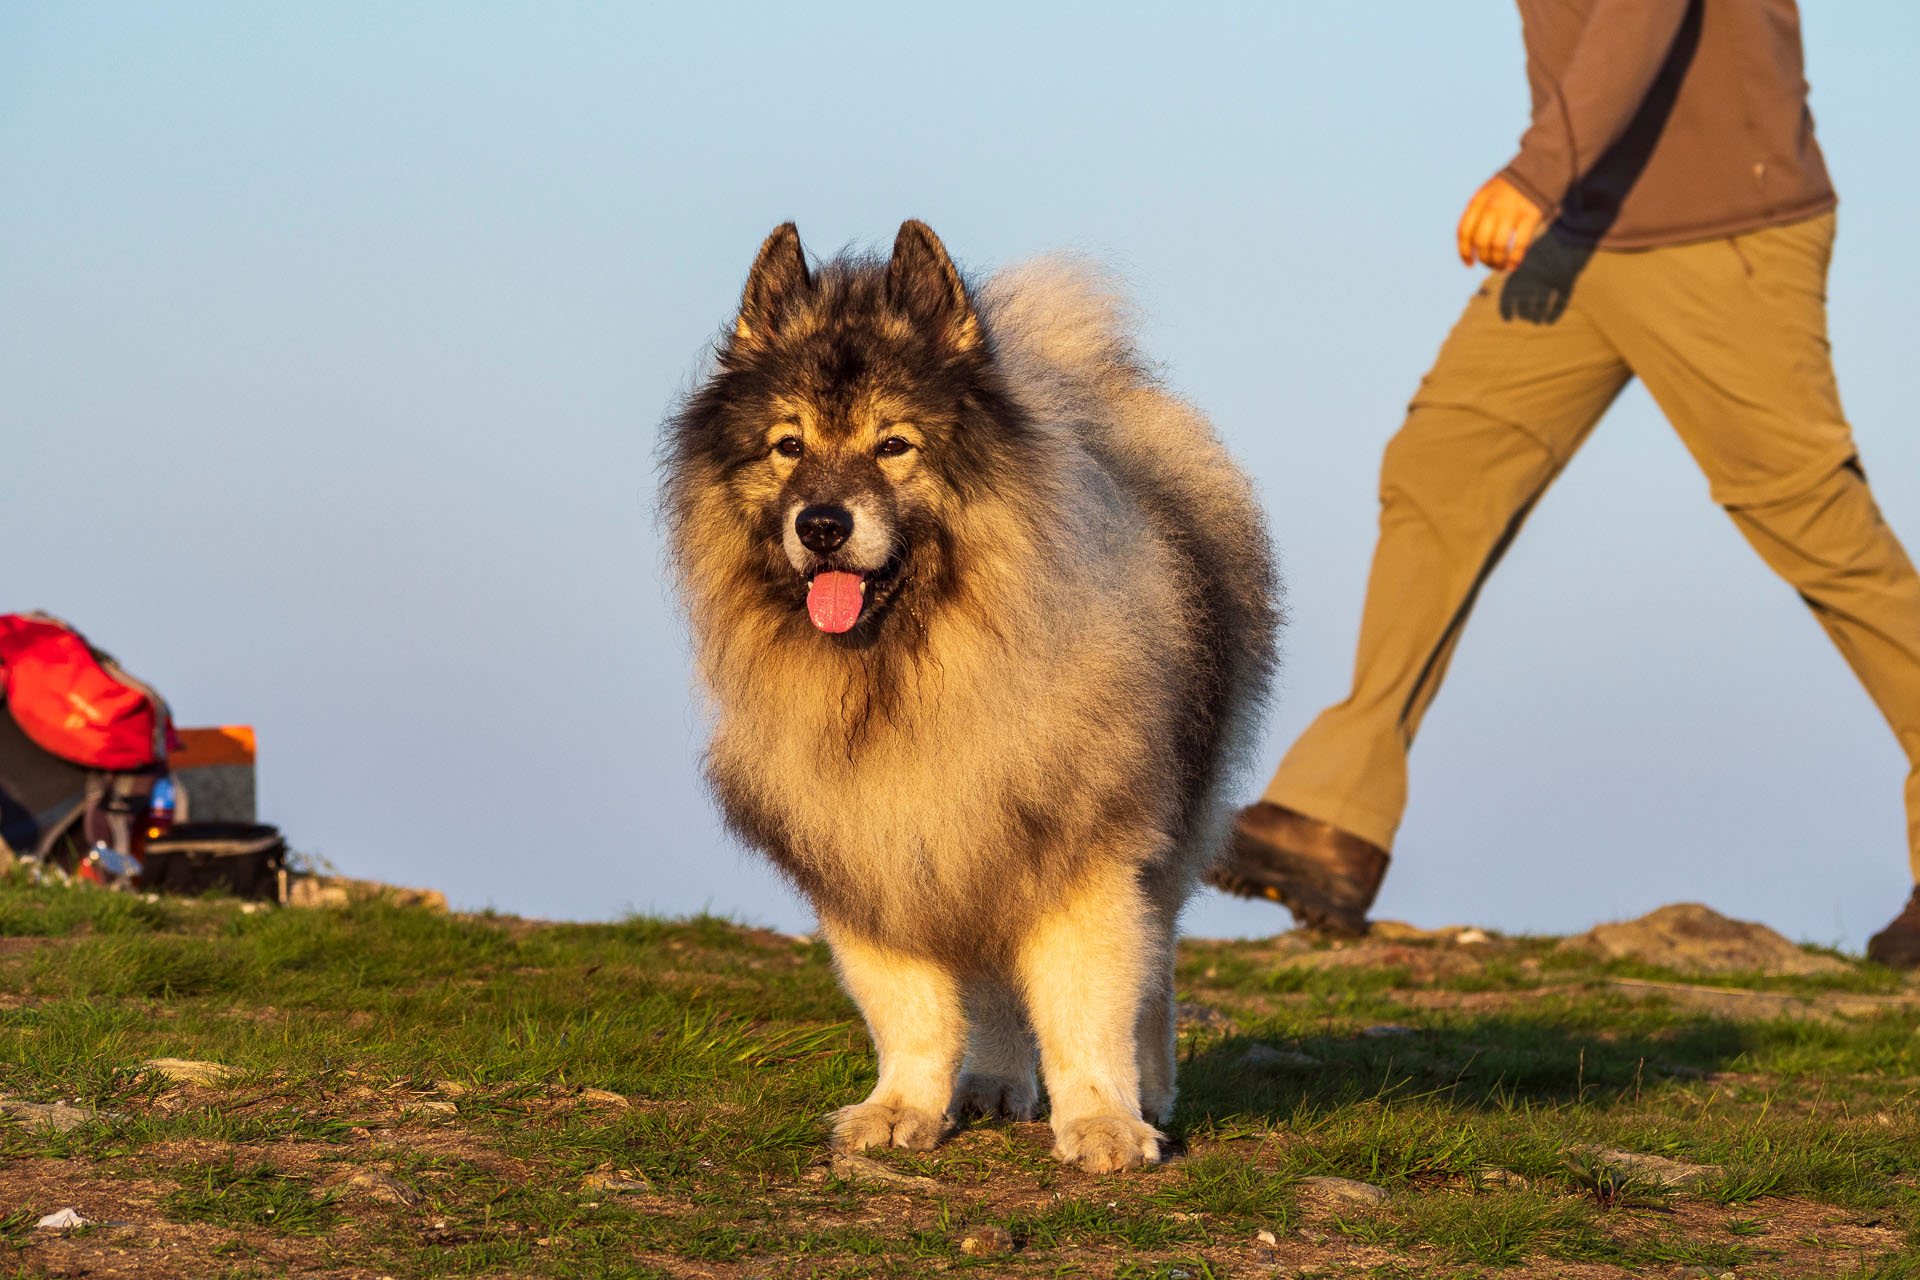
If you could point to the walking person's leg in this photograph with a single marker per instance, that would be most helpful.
(1833, 546)
(1730, 336)
(1505, 406)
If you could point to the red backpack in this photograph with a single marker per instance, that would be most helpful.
(76, 701)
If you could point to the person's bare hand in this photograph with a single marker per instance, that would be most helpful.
(1498, 225)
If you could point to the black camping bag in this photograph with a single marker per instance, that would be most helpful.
(244, 858)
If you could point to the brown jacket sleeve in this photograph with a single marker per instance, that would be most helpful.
(1576, 118)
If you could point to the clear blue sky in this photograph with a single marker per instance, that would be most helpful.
(334, 341)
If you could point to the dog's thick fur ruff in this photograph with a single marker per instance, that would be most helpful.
(999, 786)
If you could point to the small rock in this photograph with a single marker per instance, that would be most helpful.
(1344, 1189)
(375, 1185)
(1387, 1030)
(860, 1169)
(62, 1220)
(603, 1098)
(314, 891)
(1266, 1238)
(1401, 931)
(1271, 1059)
(615, 1184)
(1693, 938)
(187, 1071)
(340, 891)
(981, 1241)
(1657, 1169)
(57, 1116)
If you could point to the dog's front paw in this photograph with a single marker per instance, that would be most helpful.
(875, 1124)
(995, 1098)
(1102, 1144)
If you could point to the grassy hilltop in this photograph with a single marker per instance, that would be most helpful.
(412, 1094)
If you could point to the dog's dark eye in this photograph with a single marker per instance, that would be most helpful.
(894, 446)
(789, 447)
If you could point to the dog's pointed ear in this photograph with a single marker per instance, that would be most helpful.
(923, 283)
(779, 278)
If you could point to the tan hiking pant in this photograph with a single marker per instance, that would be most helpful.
(1730, 336)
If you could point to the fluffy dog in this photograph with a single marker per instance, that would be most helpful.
(985, 618)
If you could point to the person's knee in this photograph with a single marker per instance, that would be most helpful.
(1444, 456)
(1829, 540)
(1415, 462)
(1833, 495)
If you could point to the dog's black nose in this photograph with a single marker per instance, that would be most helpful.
(823, 528)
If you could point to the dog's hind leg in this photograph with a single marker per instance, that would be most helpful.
(913, 1010)
(996, 1080)
(1155, 1038)
(1085, 967)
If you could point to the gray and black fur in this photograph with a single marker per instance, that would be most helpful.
(1017, 758)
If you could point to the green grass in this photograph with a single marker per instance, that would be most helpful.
(258, 1196)
(454, 1054)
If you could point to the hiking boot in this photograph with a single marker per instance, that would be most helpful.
(1325, 876)
(1898, 945)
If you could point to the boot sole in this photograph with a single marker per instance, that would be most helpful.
(1309, 904)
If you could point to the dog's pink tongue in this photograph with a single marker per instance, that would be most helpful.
(833, 601)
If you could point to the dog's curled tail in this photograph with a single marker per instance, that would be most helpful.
(1063, 317)
(1063, 331)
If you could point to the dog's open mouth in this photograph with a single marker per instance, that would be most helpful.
(836, 598)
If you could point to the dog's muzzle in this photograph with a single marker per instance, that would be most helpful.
(843, 551)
